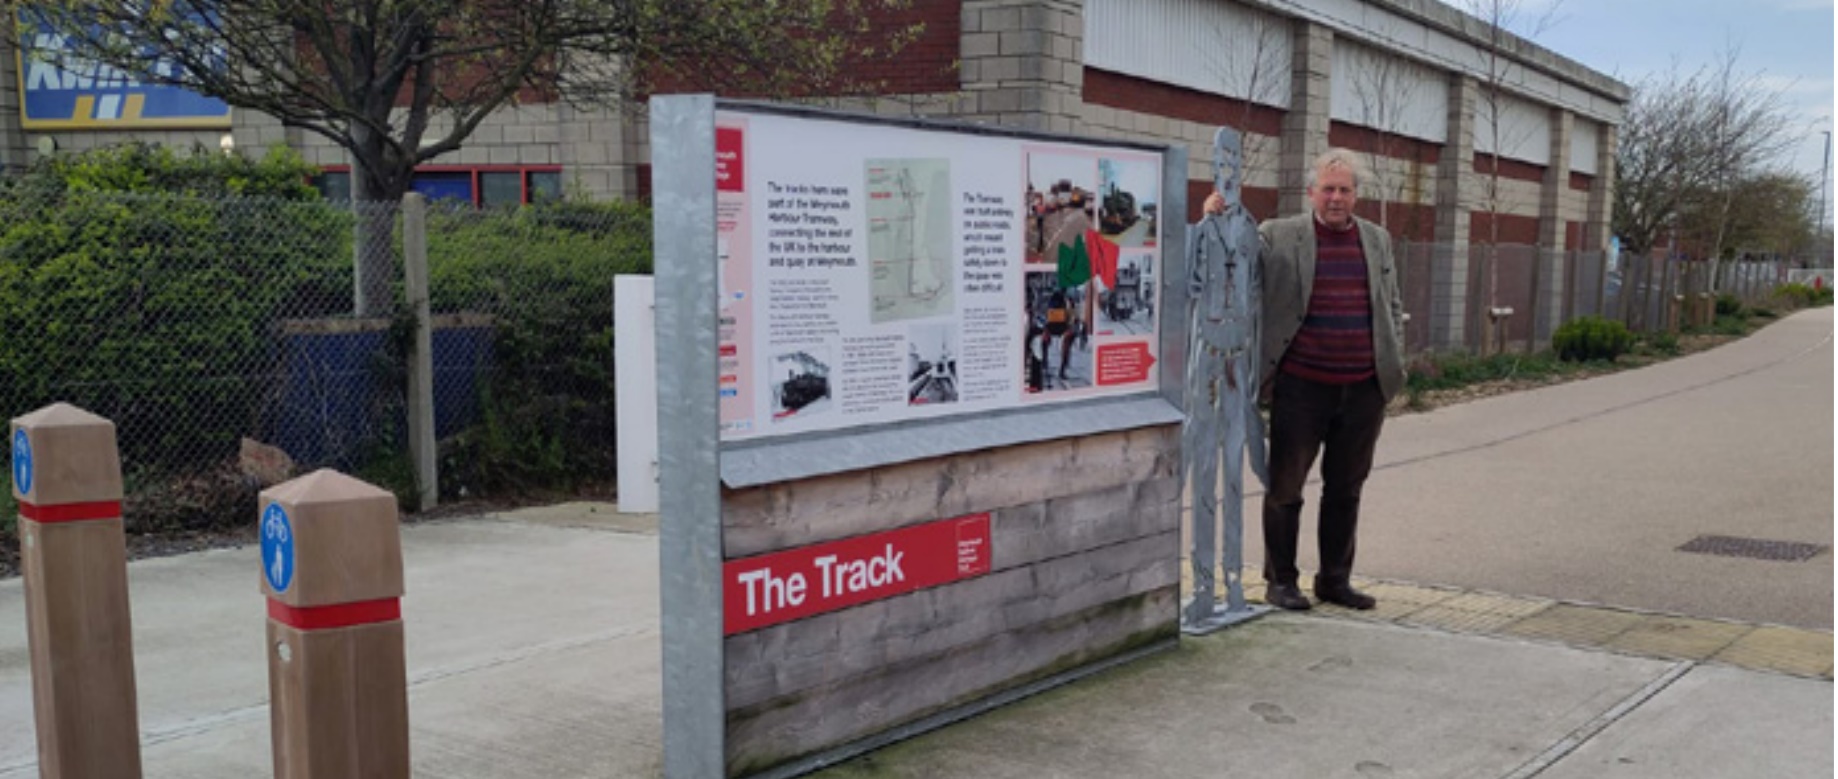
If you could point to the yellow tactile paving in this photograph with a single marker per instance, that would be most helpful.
(1756, 647)
(1574, 625)
(1459, 620)
(1788, 650)
(1489, 603)
(1678, 638)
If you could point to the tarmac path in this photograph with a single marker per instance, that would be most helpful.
(1584, 491)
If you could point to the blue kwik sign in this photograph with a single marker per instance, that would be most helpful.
(64, 92)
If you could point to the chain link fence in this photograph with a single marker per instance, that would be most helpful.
(219, 335)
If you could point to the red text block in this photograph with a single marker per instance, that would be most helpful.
(797, 583)
(730, 166)
(1127, 363)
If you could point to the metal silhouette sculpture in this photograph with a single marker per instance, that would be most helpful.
(1225, 288)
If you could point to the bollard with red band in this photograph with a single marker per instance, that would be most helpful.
(337, 680)
(67, 479)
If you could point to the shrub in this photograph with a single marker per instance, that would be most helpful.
(1728, 305)
(1662, 343)
(156, 310)
(546, 407)
(1591, 338)
(1804, 295)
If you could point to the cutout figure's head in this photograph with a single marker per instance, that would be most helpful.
(1228, 167)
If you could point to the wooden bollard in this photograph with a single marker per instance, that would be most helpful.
(337, 680)
(67, 480)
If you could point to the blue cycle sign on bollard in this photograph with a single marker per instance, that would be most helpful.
(277, 547)
(22, 462)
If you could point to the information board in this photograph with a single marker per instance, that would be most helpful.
(874, 273)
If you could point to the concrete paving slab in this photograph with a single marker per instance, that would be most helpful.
(558, 713)
(1681, 638)
(1290, 695)
(1574, 625)
(1714, 722)
(481, 594)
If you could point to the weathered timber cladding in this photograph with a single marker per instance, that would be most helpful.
(791, 658)
(792, 514)
(1085, 543)
(770, 734)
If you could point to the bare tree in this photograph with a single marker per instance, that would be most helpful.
(1499, 68)
(1258, 75)
(1687, 145)
(1384, 88)
(397, 83)
(1496, 48)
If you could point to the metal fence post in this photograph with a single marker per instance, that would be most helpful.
(421, 355)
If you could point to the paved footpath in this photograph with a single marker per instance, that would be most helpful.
(533, 652)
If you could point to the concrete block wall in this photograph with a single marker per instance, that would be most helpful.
(1085, 544)
(1023, 62)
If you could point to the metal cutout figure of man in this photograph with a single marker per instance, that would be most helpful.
(1222, 384)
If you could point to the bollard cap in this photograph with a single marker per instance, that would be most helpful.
(61, 455)
(329, 539)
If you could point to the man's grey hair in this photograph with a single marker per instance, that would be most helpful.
(1338, 158)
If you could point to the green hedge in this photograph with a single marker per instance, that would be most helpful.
(545, 275)
(155, 309)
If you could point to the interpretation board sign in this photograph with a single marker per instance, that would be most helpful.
(874, 273)
(782, 586)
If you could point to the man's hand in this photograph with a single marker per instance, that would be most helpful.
(1215, 204)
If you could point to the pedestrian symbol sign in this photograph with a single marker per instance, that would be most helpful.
(22, 462)
(277, 548)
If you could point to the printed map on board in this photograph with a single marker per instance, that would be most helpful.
(909, 238)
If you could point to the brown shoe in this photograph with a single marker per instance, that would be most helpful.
(1286, 596)
(1345, 595)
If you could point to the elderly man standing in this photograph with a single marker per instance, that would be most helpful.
(1333, 324)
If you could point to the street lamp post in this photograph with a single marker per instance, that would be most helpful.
(1825, 166)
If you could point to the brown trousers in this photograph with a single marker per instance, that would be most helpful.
(1306, 419)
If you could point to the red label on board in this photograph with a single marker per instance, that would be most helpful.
(797, 583)
(730, 168)
(1124, 363)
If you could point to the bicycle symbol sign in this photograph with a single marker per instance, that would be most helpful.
(277, 547)
(22, 461)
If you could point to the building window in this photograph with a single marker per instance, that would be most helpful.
(545, 186)
(483, 187)
(498, 189)
(334, 184)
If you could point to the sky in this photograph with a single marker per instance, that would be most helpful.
(1786, 44)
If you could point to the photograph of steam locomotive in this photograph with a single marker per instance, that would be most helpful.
(800, 385)
(1127, 194)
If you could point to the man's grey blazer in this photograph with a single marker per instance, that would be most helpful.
(1288, 263)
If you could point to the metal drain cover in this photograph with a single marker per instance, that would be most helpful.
(1753, 548)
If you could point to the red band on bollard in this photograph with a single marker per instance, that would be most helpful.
(71, 512)
(339, 615)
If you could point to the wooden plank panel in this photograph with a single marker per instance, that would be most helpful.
(779, 516)
(773, 732)
(338, 702)
(80, 639)
(932, 625)
(1022, 535)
